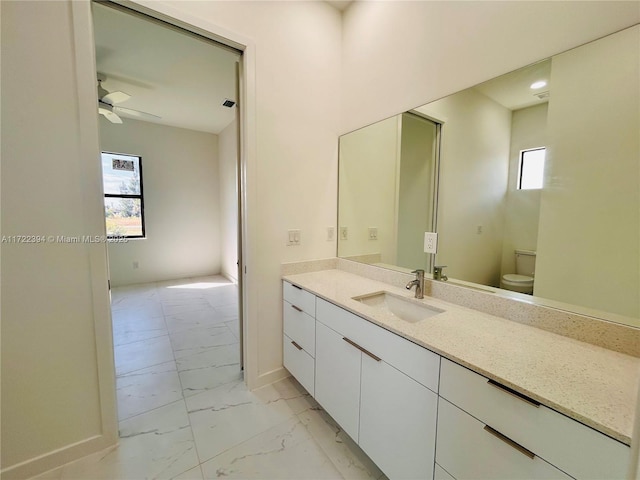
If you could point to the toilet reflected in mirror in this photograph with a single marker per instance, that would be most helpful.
(522, 280)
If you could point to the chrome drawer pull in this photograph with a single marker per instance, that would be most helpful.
(510, 442)
(512, 392)
(363, 350)
(296, 308)
(296, 345)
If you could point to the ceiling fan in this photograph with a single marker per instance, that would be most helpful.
(107, 105)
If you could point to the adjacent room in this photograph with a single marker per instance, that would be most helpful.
(168, 135)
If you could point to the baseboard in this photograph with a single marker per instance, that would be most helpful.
(229, 277)
(269, 377)
(56, 458)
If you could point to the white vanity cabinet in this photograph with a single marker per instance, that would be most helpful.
(299, 334)
(381, 389)
(486, 430)
(389, 395)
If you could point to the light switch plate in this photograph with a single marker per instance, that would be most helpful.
(373, 233)
(330, 233)
(293, 237)
(430, 242)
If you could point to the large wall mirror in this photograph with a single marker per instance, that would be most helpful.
(532, 188)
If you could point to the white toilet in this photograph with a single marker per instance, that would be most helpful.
(522, 280)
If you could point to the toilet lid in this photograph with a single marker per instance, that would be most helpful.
(515, 278)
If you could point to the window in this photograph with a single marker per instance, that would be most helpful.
(531, 168)
(123, 203)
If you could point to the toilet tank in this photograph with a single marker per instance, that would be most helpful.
(525, 262)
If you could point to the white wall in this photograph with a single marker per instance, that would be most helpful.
(228, 165)
(528, 130)
(473, 182)
(593, 122)
(58, 385)
(369, 160)
(401, 54)
(181, 202)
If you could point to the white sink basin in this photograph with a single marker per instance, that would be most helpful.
(404, 308)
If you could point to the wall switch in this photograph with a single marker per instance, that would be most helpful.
(373, 233)
(293, 237)
(343, 233)
(330, 233)
(136, 264)
(479, 230)
(430, 242)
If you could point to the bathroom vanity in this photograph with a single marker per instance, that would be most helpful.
(431, 389)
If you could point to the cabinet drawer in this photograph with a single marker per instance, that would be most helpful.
(468, 451)
(300, 364)
(574, 448)
(411, 359)
(300, 298)
(300, 327)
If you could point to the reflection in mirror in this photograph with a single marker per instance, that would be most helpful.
(470, 176)
(387, 192)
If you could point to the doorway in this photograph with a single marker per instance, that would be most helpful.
(169, 98)
(417, 188)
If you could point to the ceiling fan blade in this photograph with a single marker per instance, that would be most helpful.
(112, 117)
(115, 97)
(135, 113)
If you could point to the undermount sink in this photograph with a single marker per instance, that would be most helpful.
(404, 308)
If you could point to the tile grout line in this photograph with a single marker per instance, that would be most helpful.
(183, 398)
(184, 401)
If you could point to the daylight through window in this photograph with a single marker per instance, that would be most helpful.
(123, 203)
(531, 169)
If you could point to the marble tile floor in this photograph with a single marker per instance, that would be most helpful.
(184, 410)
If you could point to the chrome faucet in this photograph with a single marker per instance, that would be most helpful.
(418, 282)
(438, 273)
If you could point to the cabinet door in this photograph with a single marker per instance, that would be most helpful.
(397, 421)
(338, 378)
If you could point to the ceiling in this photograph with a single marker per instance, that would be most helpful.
(180, 77)
(513, 90)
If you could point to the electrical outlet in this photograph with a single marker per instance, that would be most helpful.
(344, 233)
(293, 237)
(430, 242)
(373, 233)
(330, 233)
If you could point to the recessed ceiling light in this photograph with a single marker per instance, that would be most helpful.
(538, 84)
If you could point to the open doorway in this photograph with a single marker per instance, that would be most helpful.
(169, 133)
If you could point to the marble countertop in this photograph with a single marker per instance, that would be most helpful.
(596, 386)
